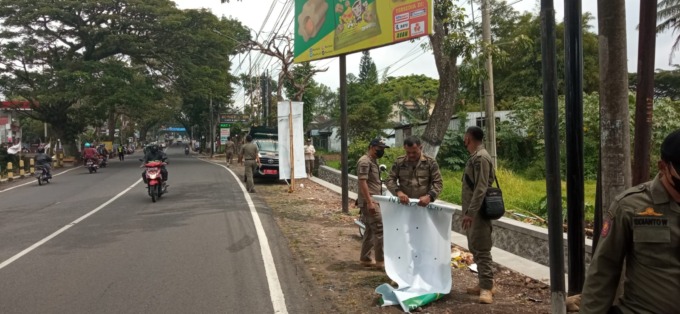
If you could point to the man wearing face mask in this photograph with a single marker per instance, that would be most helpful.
(642, 228)
(415, 175)
(368, 173)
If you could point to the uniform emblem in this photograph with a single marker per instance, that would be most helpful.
(649, 212)
(606, 227)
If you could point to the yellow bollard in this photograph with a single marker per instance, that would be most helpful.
(21, 168)
(10, 171)
(31, 166)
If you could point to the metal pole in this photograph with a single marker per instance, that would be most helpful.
(488, 82)
(291, 188)
(597, 221)
(343, 133)
(644, 100)
(573, 52)
(212, 131)
(552, 156)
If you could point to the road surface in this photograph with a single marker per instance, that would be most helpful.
(95, 243)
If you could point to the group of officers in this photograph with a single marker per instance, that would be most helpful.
(642, 226)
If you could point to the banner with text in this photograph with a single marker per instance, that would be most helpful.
(327, 28)
(284, 140)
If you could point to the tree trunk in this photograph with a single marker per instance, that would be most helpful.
(111, 125)
(444, 107)
(614, 115)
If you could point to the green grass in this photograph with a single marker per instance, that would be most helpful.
(335, 164)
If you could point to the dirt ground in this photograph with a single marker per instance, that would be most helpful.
(326, 245)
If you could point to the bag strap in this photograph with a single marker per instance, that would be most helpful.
(471, 184)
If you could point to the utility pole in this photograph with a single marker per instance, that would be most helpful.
(573, 52)
(644, 100)
(488, 82)
(553, 181)
(343, 134)
(212, 131)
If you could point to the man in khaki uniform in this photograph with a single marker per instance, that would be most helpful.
(237, 147)
(251, 160)
(229, 151)
(368, 173)
(642, 228)
(478, 176)
(415, 175)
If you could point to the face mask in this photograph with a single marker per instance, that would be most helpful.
(380, 153)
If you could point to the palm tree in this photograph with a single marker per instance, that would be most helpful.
(668, 17)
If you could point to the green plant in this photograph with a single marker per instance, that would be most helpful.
(359, 148)
(453, 154)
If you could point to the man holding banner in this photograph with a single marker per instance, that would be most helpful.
(415, 175)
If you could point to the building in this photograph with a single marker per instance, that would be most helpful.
(471, 119)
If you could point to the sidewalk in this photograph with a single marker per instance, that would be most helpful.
(516, 263)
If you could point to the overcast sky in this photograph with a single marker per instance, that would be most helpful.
(404, 58)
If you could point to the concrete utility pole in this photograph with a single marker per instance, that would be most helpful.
(488, 83)
(644, 100)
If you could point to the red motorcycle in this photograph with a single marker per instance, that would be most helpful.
(154, 179)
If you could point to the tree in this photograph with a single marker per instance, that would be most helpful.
(300, 73)
(668, 16)
(666, 83)
(368, 73)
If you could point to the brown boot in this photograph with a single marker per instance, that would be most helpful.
(485, 296)
(475, 290)
(379, 265)
(368, 263)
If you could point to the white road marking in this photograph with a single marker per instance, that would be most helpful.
(275, 291)
(64, 228)
(27, 183)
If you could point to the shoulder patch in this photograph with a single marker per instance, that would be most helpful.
(634, 190)
(649, 212)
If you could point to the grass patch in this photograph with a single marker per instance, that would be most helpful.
(335, 164)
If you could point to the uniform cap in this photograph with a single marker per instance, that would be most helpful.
(380, 142)
(670, 149)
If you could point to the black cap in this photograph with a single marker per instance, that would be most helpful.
(378, 141)
(670, 149)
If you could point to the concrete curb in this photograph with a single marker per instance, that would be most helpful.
(506, 259)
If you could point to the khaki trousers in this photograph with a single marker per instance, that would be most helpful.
(373, 235)
(480, 243)
(250, 166)
(230, 156)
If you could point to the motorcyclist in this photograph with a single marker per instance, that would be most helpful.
(103, 152)
(90, 153)
(154, 153)
(43, 160)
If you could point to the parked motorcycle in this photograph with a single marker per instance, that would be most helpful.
(154, 180)
(42, 175)
(91, 165)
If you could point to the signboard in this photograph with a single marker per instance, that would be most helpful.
(225, 125)
(327, 28)
(231, 118)
(224, 136)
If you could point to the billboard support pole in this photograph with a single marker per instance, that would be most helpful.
(291, 187)
(343, 133)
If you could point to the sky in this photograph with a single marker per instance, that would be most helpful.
(403, 58)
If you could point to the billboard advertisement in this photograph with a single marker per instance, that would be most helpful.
(327, 28)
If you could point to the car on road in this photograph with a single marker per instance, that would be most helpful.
(269, 158)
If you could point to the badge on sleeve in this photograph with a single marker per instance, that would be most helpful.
(649, 212)
(606, 227)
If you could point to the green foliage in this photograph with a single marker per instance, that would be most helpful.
(666, 83)
(452, 154)
(667, 15)
(301, 73)
(368, 73)
(359, 148)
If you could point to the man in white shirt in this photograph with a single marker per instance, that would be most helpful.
(309, 157)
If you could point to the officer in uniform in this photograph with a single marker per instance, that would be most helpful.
(368, 173)
(229, 151)
(478, 176)
(251, 160)
(415, 175)
(642, 228)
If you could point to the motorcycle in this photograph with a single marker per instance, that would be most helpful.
(91, 165)
(42, 175)
(103, 161)
(154, 179)
(186, 151)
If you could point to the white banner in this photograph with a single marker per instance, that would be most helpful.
(13, 150)
(298, 141)
(417, 246)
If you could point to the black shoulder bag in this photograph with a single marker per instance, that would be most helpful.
(493, 207)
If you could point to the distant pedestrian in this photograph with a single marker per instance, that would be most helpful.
(229, 150)
(309, 157)
(238, 143)
(642, 229)
(478, 176)
(121, 152)
(368, 173)
(251, 160)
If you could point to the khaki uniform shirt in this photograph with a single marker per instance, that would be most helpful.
(642, 226)
(415, 179)
(367, 169)
(479, 171)
(230, 146)
(249, 151)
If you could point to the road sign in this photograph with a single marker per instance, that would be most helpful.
(231, 118)
(225, 125)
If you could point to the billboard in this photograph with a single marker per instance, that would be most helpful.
(327, 28)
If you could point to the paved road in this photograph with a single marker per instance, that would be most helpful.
(197, 250)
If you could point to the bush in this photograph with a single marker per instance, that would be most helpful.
(359, 148)
(452, 154)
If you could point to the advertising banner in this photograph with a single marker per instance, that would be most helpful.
(224, 136)
(417, 254)
(327, 28)
(284, 141)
